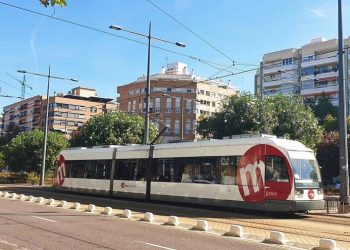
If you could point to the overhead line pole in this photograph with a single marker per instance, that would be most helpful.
(49, 76)
(343, 136)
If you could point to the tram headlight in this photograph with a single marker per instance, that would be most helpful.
(299, 191)
(320, 191)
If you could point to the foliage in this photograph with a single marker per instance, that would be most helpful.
(242, 115)
(332, 123)
(24, 152)
(281, 115)
(47, 3)
(295, 120)
(2, 161)
(10, 132)
(112, 128)
(33, 178)
(6, 178)
(322, 107)
(327, 154)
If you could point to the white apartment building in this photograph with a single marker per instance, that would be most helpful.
(310, 70)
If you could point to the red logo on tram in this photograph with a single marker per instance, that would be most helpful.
(250, 174)
(311, 194)
(61, 171)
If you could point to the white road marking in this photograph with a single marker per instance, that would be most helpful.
(150, 244)
(41, 218)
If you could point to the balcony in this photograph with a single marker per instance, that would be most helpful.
(279, 67)
(318, 91)
(320, 60)
(281, 81)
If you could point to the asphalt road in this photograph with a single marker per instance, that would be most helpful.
(25, 225)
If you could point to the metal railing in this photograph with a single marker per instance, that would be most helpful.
(331, 204)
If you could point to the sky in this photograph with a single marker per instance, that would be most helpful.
(216, 33)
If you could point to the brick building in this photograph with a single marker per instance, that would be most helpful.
(178, 100)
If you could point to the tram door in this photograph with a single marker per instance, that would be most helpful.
(278, 183)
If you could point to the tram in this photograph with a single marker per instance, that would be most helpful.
(246, 172)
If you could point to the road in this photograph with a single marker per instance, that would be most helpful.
(25, 225)
(301, 230)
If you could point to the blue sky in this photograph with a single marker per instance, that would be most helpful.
(242, 30)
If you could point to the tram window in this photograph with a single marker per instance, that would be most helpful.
(198, 170)
(103, 169)
(89, 169)
(166, 170)
(228, 169)
(131, 169)
(276, 169)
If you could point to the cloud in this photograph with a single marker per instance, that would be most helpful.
(318, 12)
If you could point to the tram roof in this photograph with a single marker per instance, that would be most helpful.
(184, 149)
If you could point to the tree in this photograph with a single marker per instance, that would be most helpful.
(327, 154)
(281, 115)
(115, 128)
(24, 152)
(294, 119)
(10, 132)
(322, 107)
(242, 115)
(47, 3)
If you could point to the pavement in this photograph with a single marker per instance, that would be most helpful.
(302, 231)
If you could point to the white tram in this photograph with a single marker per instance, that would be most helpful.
(259, 172)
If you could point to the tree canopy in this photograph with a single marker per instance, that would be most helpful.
(24, 152)
(280, 115)
(47, 3)
(322, 106)
(115, 128)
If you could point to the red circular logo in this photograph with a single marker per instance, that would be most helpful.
(311, 194)
(250, 174)
(61, 170)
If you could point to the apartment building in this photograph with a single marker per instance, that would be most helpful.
(178, 100)
(310, 70)
(66, 112)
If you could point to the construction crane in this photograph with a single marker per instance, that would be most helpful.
(23, 83)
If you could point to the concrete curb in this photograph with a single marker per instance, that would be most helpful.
(202, 225)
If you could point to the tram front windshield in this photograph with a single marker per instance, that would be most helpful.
(305, 170)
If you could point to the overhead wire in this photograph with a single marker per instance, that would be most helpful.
(200, 37)
(184, 26)
(109, 33)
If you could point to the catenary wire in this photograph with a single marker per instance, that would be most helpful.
(112, 34)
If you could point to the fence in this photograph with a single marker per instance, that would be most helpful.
(331, 204)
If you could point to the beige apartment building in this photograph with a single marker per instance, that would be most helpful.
(178, 100)
(310, 70)
(66, 112)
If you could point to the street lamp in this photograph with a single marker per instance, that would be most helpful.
(42, 182)
(148, 88)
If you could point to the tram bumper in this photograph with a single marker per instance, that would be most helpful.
(294, 206)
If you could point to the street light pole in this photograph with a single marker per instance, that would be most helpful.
(343, 145)
(148, 87)
(42, 182)
(49, 76)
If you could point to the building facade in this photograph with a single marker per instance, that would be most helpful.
(310, 70)
(178, 100)
(66, 112)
